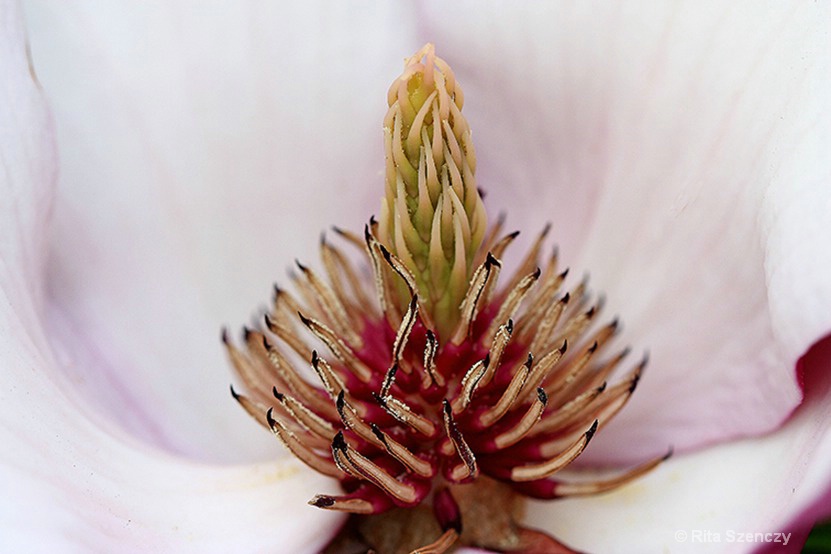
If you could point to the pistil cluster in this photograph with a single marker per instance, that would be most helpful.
(435, 377)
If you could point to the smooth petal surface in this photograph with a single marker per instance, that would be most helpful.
(203, 149)
(701, 502)
(72, 482)
(681, 153)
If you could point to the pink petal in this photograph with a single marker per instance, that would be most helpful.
(768, 484)
(70, 480)
(202, 151)
(681, 153)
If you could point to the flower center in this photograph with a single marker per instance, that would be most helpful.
(444, 396)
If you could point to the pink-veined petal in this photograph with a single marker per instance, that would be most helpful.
(701, 502)
(72, 481)
(680, 151)
(202, 151)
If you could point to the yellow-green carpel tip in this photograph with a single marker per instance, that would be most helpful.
(432, 217)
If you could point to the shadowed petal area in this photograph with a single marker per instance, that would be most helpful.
(753, 485)
(70, 480)
(202, 151)
(681, 154)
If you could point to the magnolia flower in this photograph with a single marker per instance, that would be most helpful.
(166, 164)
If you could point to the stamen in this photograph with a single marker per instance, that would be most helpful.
(331, 381)
(550, 318)
(528, 263)
(511, 303)
(403, 454)
(469, 383)
(540, 372)
(333, 309)
(506, 401)
(383, 288)
(304, 416)
(471, 303)
(405, 329)
(353, 421)
(300, 450)
(500, 341)
(431, 375)
(531, 417)
(568, 412)
(402, 492)
(586, 488)
(532, 472)
(254, 409)
(400, 269)
(342, 504)
(389, 379)
(287, 335)
(401, 412)
(499, 248)
(310, 395)
(337, 265)
(340, 350)
(559, 382)
(470, 470)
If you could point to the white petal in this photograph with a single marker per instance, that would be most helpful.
(701, 502)
(202, 151)
(72, 482)
(681, 153)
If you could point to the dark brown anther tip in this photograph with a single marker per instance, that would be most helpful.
(339, 442)
(546, 229)
(510, 326)
(592, 430)
(224, 335)
(487, 361)
(513, 235)
(566, 297)
(340, 402)
(542, 396)
(564, 274)
(385, 253)
(448, 411)
(635, 380)
(564, 346)
(270, 418)
(246, 333)
(322, 501)
(377, 432)
(529, 361)
(266, 344)
(306, 321)
(669, 454)
(302, 267)
(602, 387)
(593, 347)
(537, 273)
(315, 358)
(491, 260)
(234, 393)
(277, 394)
